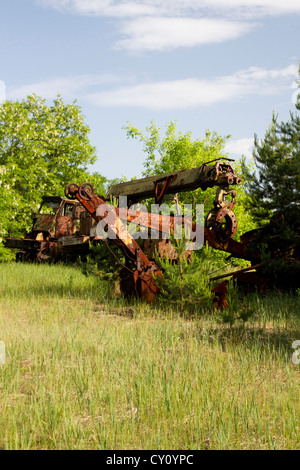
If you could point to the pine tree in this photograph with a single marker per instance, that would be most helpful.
(274, 192)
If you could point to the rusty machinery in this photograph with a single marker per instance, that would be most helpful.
(55, 233)
(220, 224)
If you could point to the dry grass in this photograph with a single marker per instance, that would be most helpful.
(84, 371)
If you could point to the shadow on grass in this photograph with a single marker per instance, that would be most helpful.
(59, 291)
(252, 337)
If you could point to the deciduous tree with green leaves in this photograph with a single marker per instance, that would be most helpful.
(42, 148)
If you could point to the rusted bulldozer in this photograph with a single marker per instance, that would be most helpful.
(55, 233)
(220, 225)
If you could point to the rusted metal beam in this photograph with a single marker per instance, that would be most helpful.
(205, 176)
(232, 273)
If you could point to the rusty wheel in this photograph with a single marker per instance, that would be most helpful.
(86, 191)
(69, 189)
(227, 224)
(223, 222)
(210, 221)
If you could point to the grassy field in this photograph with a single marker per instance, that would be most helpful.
(86, 371)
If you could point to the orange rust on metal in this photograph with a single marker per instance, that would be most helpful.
(230, 219)
(221, 219)
(143, 278)
(220, 227)
(145, 284)
(163, 248)
(220, 291)
(60, 220)
(162, 223)
(161, 187)
(235, 248)
(146, 270)
(64, 226)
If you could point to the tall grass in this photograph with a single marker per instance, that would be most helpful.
(86, 371)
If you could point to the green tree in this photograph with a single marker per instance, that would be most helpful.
(176, 151)
(185, 284)
(274, 189)
(42, 148)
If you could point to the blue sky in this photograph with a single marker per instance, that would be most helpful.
(222, 65)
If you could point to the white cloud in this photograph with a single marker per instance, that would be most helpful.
(254, 8)
(240, 147)
(177, 94)
(125, 8)
(164, 24)
(163, 95)
(193, 92)
(108, 8)
(153, 33)
(69, 87)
